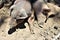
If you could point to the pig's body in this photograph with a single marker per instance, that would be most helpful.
(38, 7)
(21, 10)
(48, 9)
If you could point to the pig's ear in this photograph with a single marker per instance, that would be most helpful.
(12, 7)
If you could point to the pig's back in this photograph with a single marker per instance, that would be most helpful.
(23, 4)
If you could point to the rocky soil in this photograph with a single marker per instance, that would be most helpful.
(46, 31)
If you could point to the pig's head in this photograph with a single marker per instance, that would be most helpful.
(52, 11)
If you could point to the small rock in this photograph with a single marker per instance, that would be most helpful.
(46, 39)
(55, 27)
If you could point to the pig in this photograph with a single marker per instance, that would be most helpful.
(1, 3)
(55, 10)
(57, 2)
(40, 7)
(21, 10)
(6, 3)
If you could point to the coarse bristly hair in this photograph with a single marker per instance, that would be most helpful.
(21, 9)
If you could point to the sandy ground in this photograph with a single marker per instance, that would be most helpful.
(48, 31)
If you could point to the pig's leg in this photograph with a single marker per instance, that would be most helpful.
(30, 23)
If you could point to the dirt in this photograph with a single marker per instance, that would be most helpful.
(46, 31)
